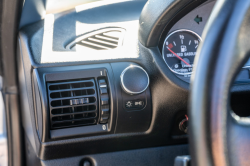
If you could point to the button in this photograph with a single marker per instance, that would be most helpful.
(103, 91)
(104, 119)
(129, 104)
(105, 112)
(139, 104)
(104, 101)
(132, 104)
(102, 84)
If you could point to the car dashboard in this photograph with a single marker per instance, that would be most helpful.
(94, 88)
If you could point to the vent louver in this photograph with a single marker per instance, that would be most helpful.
(104, 39)
(72, 103)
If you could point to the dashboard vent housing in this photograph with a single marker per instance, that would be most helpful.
(72, 103)
(103, 39)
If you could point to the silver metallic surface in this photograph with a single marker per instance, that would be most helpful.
(124, 87)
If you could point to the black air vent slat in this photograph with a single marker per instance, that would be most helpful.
(65, 94)
(57, 107)
(68, 118)
(72, 103)
(66, 85)
(64, 98)
(58, 115)
(62, 90)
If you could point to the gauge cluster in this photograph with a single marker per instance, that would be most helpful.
(179, 44)
(179, 50)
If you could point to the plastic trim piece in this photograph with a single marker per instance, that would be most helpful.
(68, 73)
(78, 131)
(156, 156)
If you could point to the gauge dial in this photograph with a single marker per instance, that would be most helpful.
(179, 50)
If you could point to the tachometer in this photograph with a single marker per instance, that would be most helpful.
(179, 50)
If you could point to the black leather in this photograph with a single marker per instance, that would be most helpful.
(217, 136)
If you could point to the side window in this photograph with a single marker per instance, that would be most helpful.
(3, 131)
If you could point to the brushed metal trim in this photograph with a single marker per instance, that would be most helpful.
(122, 83)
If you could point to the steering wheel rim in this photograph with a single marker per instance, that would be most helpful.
(217, 136)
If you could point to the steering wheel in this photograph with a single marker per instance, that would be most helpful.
(217, 135)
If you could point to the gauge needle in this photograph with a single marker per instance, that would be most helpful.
(178, 57)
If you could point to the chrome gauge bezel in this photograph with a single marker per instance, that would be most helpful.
(163, 48)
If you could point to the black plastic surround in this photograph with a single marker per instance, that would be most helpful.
(106, 95)
(58, 74)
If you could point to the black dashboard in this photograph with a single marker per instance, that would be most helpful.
(94, 87)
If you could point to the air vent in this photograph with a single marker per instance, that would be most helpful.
(104, 39)
(72, 103)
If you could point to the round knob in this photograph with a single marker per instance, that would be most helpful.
(134, 80)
